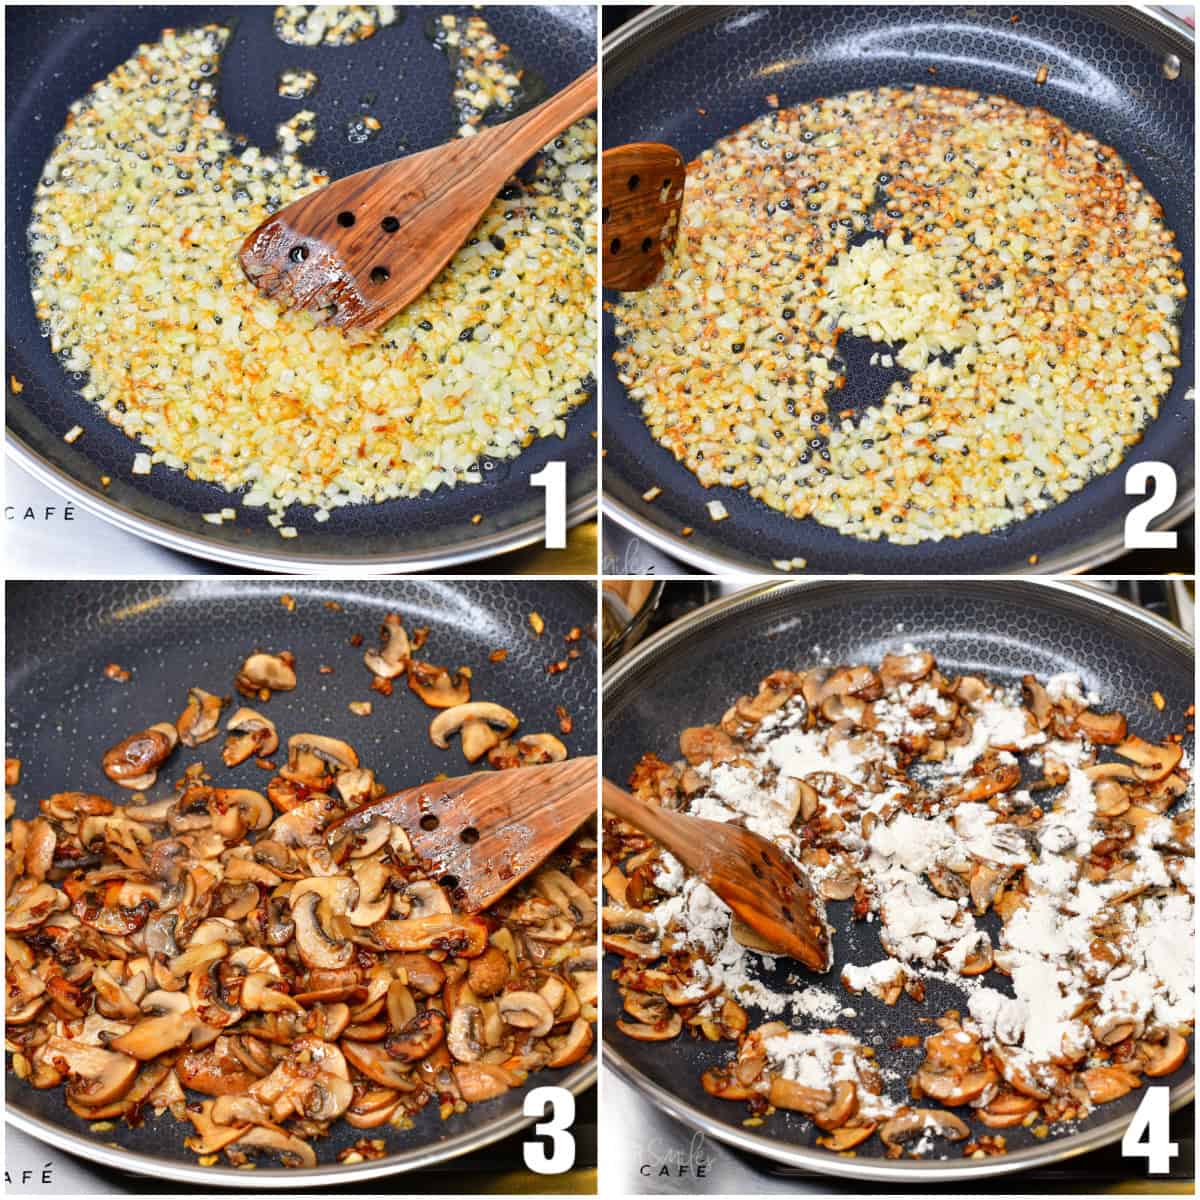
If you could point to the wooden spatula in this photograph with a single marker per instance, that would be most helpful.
(641, 193)
(361, 248)
(487, 831)
(752, 875)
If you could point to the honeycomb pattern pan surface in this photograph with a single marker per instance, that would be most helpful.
(686, 76)
(1002, 629)
(54, 54)
(63, 713)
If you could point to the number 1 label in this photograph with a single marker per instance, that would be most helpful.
(553, 477)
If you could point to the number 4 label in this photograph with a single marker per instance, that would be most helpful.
(1149, 1133)
(1138, 479)
(560, 1105)
(553, 477)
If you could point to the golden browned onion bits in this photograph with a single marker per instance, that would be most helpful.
(1021, 275)
(901, 791)
(138, 216)
(239, 961)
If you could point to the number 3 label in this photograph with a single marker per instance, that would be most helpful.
(1149, 1133)
(553, 477)
(1138, 478)
(560, 1104)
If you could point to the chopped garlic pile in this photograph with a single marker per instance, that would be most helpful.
(1016, 268)
(140, 211)
(331, 24)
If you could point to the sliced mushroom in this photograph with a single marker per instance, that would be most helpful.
(1103, 729)
(134, 762)
(527, 1010)
(462, 936)
(312, 756)
(377, 1065)
(426, 899)
(418, 1038)
(533, 749)
(465, 1035)
(571, 1046)
(97, 1076)
(481, 1081)
(706, 743)
(170, 1025)
(477, 713)
(914, 1123)
(1169, 1056)
(1153, 762)
(263, 673)
(436, 686)
(251, 735)
(393, 656)
(318, 936)
(652, 1033)
(291, 1150)
(200, 720)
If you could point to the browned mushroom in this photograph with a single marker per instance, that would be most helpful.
(914, 1123)
(134, 762)
(482, 725)
(1153, 762)
(200, 720)
(436, 686)
(263, 673)
(251, 735)
(395, 649)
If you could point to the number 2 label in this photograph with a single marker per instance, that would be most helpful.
(1138, 479)
(1149, 1133)
(560, 1104)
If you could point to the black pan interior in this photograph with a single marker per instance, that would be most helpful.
(54, 54)
(63, 713)
(1001, 629)
(695, 74)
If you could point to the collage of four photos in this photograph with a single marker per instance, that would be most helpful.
(600, 599)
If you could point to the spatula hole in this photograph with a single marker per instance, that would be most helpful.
(614, 246)
(298, 253)
(758, 871)
(646, 244)
(346, 219)
(634, 180)
(664, 191)
(787, 913)
(470, 835)
(765, 857)
(389, 224)
(429, 822)
(449, 882)
(380, 274)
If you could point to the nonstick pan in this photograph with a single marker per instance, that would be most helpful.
(687, 75)
(63, 713)
(1002, 629)
(54, 55)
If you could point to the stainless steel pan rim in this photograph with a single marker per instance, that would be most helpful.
(475, 548)
(1069, 562)
(821, 1161)
(273, 1178)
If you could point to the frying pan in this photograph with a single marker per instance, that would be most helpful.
(687, 75)
(1000, 628)
(63, 713)
(54, 55)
